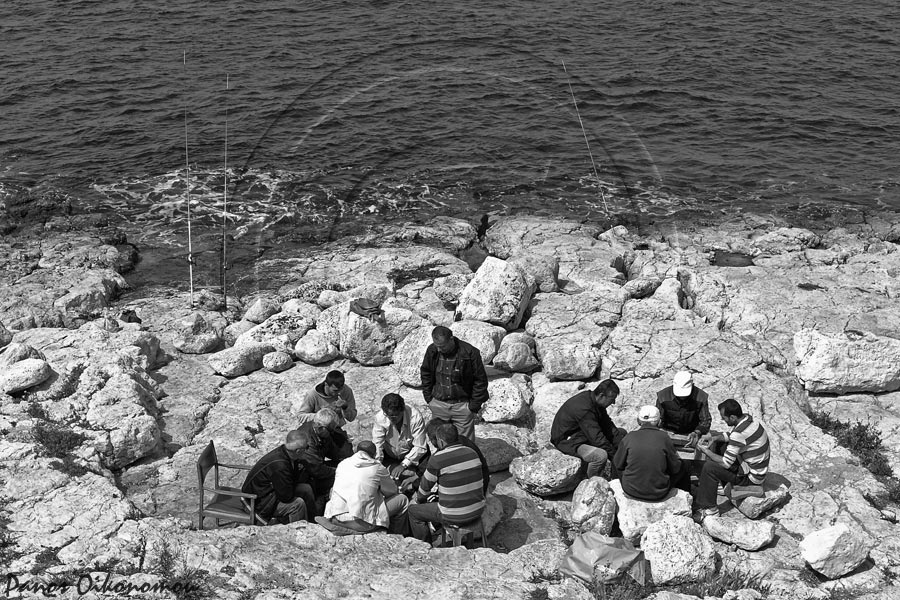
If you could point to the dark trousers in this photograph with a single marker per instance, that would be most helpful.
(710, 477)
(420, 515)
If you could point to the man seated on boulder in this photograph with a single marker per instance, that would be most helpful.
(684, 410)
(745, 461)
(430, 430)
(399, 437)
(454, 473)
(583, 428)
(281, 483)
(332, 393)
(454, 382)
(364, 497)
(647, 462)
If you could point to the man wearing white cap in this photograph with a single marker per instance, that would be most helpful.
(647, 462)
(684, 409)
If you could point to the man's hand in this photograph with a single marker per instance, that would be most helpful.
(692, 439)
(396, 471)
(339, 404)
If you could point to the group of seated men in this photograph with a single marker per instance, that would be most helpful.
(646, 460)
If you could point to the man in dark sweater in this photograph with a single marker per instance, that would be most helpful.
(647, 462)
(454, 382)
(583, 428)
(684, 409)
(281, 484)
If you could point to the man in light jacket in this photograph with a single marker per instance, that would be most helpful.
(399, 437)
(364, 496)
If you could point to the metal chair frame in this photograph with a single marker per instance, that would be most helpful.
(228, 504)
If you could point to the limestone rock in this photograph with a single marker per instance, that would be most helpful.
(261, 309)
(280, 330)
(15, 352)
(314, 348)
(409, 353)
(448, 289)
(5, 336)
(523, 234)
(498, 452)
(848, 362)
(484, 336)
(276, 362)
(377, 292)
(547, 472)
(544, 269)
(298, 308)
(368, 342)
(239, 360)
(636, 515)
(23, 375)
(834, 551)
(749, 535)
(516, 353)
(499, 294)
(508, 399)
(786, 239)
(548, 398)
(752, 508)
(91, 292)
(592, 498)
(642, 287)
(195, 335)
(679, 551)
(233, 331)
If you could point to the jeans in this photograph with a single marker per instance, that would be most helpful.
(420, 515)
(596, 458)
(712, 475)
(457, 413)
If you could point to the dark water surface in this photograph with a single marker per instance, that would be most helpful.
(399, 109)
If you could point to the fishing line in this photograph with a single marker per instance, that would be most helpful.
(584, 133)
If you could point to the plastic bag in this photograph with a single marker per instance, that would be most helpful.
(598, 558)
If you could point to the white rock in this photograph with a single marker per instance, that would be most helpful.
(368, 342)
(516, 353)
(594, 505)
(276, 362)
(635, 515)
(261, 309)
(484, 336)
(847, 362)
(786, 239)
(280, 331)
(5, 335)
(547, 472)
(15, 352)
(679, 551)
(749, 535)
(499, 294)
(299, 308)
(752, 507)
(834, 551)
(544, 269)
(448, 289)
(196, 335)
(408, 355)
(508, 399)
(239, 360)
(234, 331)
(314, 348)
(23, 375)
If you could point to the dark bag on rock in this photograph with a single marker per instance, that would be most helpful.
(597, 558)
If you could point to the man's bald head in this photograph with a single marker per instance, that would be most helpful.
(297, 440)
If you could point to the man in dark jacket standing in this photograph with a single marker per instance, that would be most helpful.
(454, 382)
(647, 462)
(583, 428)
(684, 409)
(279, 481)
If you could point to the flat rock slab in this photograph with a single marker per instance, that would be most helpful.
(636, 515)
(547, 472)
(749, 535)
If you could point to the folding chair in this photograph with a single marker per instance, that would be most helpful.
(228, 504)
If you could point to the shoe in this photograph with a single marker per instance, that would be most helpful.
(700, 515)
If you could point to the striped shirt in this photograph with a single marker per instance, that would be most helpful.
(456, 471)
(748, 446)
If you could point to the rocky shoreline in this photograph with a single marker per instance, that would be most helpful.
(103, 419)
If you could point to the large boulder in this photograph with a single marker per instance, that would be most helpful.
(23, 375)
(508, 399)
(569, 329)
(547, 472)
(636, 515)
(835, 551)
(484, 336)
(280, 330)
(516, 353)
(679, 551)
(448, 289)
(315, 348)
(749, 535)
(368, 342)
(544, 269)
(499, 294)
(753, 507)
(196, 335)
(276, 362)
(851, 361)
(594, 506)
(261, 309)
(16, 351)
(409, 353)
(5, 336)
(239, 360)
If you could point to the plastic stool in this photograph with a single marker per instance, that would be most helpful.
(461, 534)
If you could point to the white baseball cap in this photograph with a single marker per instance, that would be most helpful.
(683, 383)
(648, 414)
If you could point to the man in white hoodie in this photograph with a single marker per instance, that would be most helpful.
(364, 496)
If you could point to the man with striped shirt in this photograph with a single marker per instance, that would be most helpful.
(744, 462)
(454, 473)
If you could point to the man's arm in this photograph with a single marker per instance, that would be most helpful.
(379, 433)
(420, 446)
(594, 432)
(673, 461)
(705, 418)
(479, 383)
(282, 482)
(621, 457)
(307, 407)
(425, 371)
(349, 411)
(386, 483)
(428, 480)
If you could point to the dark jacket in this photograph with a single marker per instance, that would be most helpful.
(580, 421)
(647, 463)
(685, 415)
(323, 445)
(469, 381)
(273, 479)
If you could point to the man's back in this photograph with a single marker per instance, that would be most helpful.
(456, 472)
(580, 421)
(749, 442)
(272, 478)
(646, 460)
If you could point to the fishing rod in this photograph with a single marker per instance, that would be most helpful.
(225, 204)
(584, 133)
(187, 181)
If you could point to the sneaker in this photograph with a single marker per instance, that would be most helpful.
(700, 515)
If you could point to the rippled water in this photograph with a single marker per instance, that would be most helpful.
(396, 108)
